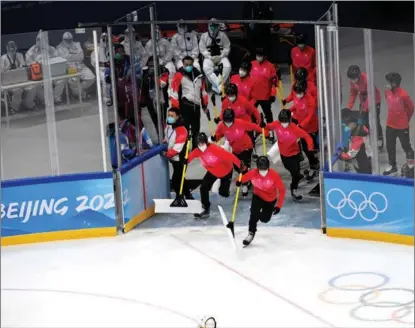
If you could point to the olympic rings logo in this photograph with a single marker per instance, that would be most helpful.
(372, 298)
(366, 205)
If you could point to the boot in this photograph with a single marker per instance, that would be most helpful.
(296, 197)
(204, 215)
(311, 173)
(391, 169)
(244, 190)
(249, 238)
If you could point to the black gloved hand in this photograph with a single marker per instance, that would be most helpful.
(238, 183)
(185, 161)
(284, 102)
(213, 138)
(272, 99)
(216, 120)
(295, 121)
(276, 210)
(262, 125)
(222, 98)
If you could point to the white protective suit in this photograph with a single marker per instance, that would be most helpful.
(140, 54)
(164, 53)
(103, 62)
(12, 60)
(74, 54)
(184, 44)
(34, 55)
(208, 41)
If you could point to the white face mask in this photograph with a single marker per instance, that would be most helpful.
(202, 147)
(260, 58)
(299, 95)
(242, 73)
(355, 81)
(232, 98)
(263, 172)
(285, 125)
(228, 124)
(389, 86)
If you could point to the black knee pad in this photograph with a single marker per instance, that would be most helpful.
(265, 220)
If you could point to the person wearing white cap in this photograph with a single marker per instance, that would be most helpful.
(9, 61)
(184, 44)
(140, 54)
(74, 54)
(215, 47)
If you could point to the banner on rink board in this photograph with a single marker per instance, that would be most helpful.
(57, 206)
(132, 186)
(378, 206)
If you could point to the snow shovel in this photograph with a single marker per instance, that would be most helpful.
(230, 224)
(179, 205)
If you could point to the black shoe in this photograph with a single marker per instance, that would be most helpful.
(204, 215)
(249, 239)
(189, 196)
(390, 170)
(296, 197)
(310, 174)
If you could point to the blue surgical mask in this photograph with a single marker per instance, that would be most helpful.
(170, 120)
(188, 68)
(346, 129)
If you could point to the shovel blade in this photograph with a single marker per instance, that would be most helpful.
(225, 223)
(164, 206)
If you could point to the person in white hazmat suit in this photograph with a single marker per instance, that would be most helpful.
(164, 52)
(103, 62)
(184, 44)
(140, 54)
(34, 55)
(215, 47)
(74, 54)
(9, 61)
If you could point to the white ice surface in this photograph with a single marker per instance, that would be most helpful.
(174, 277)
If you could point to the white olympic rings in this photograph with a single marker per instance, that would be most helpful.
(358, 209)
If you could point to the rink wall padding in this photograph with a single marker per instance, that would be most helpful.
(143, 179)
(57, 208)
(361, 206)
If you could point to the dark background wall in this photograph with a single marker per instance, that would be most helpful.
(20, 17)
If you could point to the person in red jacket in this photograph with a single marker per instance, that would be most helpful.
(304, 56)
(219, 165)
(244, 81)
(264, 76)
(288, 135)
(236, 132)
(301, 76)
(358, 87)
(268, 195)
(176, 138)
(188, 92)
(243, 109)
(400, 111)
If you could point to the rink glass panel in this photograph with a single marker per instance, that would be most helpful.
(393, 52)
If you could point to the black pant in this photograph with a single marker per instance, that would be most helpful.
(311, 155)
(292, 164)
(260, 211)
(245, 157)
(191, 117)
(266, 108)
(176, 178)
(404, 138)
(365, 118)
(364, 163)
(207, 183)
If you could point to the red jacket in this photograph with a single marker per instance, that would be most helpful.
(305, 112)
(182, 86)
(176, 139)
(304, 58)
(288, 138)
(311, 90)
(237, 134)
(357, 143)
(360, 88)
(400, 108)
(267, 188)
(264, 77)
(243, 109)
(245, 86)
(215, 160)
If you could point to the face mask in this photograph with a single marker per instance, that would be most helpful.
(202, 147)
(213, 28)
(355, 80)
(232, 98)
(228, 124)
(346, 128)
(170, 120)
(117, 56)
(67, 42)
(188, 68)
(11, 52)
(285, 125)
(301, 46)
(182, 30)
(242, 73)
(263, 172)
(389, 86)
(299, 95)
(260, 58)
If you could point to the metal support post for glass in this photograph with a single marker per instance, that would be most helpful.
(373, 131)
(331, 90)
(131, 40)
(156, 74)
(49, 104)
(325, 97)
